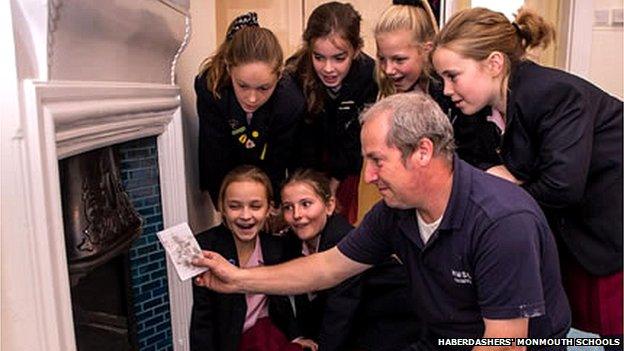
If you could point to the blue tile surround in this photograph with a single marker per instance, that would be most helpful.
(139, 174)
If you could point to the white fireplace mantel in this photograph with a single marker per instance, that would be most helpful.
(67, 118)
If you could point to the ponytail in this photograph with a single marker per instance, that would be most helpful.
(476, 33)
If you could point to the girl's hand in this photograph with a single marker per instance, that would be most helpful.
(502, 172)
(306, 344)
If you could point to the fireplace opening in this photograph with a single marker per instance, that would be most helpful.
(102, 308)
(100, 224)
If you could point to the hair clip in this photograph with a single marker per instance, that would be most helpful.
(522, 34)
(250, 19)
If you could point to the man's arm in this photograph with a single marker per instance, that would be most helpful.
(315, 272)
(504, 328)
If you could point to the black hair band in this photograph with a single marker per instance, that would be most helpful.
(250, 19)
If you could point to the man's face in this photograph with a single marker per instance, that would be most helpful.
(395, 179)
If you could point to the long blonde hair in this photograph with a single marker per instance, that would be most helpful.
(420, 21)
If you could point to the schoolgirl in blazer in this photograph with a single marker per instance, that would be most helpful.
(247, 109)
(228, 139)
(217, 319)
(328, 316)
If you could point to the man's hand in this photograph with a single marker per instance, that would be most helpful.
(221, 276)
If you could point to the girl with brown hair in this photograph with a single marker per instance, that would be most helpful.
(336, 78)
(365, 312)
(247, 109)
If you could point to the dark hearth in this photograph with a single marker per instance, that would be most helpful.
(102, 308)
(100, 224)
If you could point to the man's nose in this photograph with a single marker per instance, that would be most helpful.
(370, 173)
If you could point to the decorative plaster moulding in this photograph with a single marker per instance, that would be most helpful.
(88, 116)
(65, 118)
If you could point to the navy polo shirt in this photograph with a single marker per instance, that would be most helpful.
(493, 256)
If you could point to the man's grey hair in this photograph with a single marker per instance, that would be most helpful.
(414, 116)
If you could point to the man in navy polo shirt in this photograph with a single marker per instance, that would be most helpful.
(481, 259)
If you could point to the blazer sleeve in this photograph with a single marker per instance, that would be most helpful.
(339, 314)
(288, 112)
(341, 301)
(203, 328)
(565, 137)
(214, 155)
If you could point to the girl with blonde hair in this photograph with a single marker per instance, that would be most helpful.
(404, 35)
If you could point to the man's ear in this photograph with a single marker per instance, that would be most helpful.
(495, 63)
(423, 153)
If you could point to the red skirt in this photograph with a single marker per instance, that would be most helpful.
(596, 302)
(347, 197)
(264, 336)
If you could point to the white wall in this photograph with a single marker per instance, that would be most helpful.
(606, 67)
(201, 44)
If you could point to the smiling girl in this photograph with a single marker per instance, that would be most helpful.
(308, 206)
(404, 35)
(336, 78)
(366, 312)
(240, 322)
(247, 109)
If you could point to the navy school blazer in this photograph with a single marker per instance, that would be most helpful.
(329, 141)
(217, 319)
(328, 319)
(226, 140)
(564, 140)
(367, 311)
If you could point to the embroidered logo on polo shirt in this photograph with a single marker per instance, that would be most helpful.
(461, 277)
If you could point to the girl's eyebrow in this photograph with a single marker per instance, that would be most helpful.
(240, 82)
(338, 54)
(447, 72)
